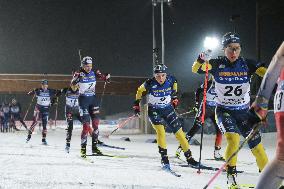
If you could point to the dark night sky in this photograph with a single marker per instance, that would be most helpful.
(43, 36)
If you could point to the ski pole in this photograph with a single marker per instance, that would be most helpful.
(80, 56)
(121, 125)
(250, 135)
(207, 53)
(56, 107)
(29, 108)
(103, 94)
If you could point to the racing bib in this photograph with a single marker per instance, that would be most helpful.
(279, 101)
(72, 101)
(43, 100)
(87, 87)
(15, 109)
(159, 101)
(210, 97)
(232, 95)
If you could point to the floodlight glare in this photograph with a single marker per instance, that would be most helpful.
(211, 43)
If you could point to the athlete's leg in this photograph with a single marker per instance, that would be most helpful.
(22, 122)
(196, 124)
(156, 121)
(44, 118)
(272, 175)
(227, 125)
(172, 120)
(34, 123)
(245, 125)
(218, 139)
(85, 117)
(94, 113)
(69, 119)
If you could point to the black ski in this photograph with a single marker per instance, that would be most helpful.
(215, 159)
(205, 167)
(110, 146)
(107, 155)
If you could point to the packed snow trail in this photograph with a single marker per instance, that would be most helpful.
(33, 165)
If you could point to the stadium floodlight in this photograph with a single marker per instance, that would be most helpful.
(211, 43)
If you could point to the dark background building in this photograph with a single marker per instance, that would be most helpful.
(44, 36)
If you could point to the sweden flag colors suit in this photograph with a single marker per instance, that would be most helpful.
(162, 113)
(232, 87)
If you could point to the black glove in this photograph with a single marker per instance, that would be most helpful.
(136, 108)
(253, 117)
(201, 58)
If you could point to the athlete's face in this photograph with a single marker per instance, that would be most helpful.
(232, 51)
(44, 86)
(160, 77)
(87, 67)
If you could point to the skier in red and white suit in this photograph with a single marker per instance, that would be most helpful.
(273, 174)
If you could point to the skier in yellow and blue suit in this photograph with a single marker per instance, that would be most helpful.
(232, 75)
(162, 91)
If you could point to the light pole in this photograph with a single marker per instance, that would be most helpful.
(155, 50)
(154, 3)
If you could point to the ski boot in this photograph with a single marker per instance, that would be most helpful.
(96, 150)
(231, 177)
(217, 155)
(28, 138)
(190, 160)
(67, 148)
(100, 142)
(44, 141)
(178, 151)
(164, 158)
(83, 152)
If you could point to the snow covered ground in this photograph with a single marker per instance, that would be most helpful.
(36, 166)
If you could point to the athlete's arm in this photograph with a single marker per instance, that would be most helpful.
(174, 96)
(104, 77)
(272, 73)
(62, 91)
(260, 104)
(76, 78)
(141, 91)
(199, 66)
(32, 92)
(198, 91)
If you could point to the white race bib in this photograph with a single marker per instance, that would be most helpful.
(232, 95)
(210, 97)
(279, 101)
(72, 102)
(159, 101)
(87, 87)
(43, 100)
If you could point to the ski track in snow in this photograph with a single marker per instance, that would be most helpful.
(35, 166)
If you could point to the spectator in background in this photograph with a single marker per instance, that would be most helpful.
(16, 111)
